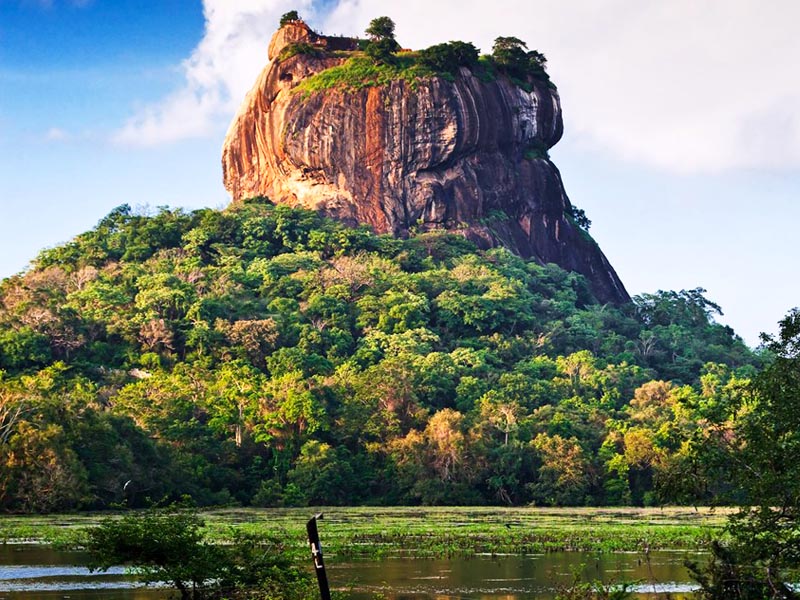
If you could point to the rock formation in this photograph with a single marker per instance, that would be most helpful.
(467, 155)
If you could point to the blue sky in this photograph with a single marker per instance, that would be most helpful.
(682, 121)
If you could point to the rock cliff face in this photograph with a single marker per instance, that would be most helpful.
(463, 155)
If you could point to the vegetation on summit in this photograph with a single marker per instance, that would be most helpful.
(381, 60)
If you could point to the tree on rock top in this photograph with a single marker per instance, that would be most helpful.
(290, 17)
(509, 51)
(450, 56)
(380, 28)
(382, 44)
(512, 55)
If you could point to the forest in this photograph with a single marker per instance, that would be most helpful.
(267, 356)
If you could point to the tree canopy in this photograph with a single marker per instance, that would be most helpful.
(168, 545)
(512, 56)
(450, 56)
(382, 43)
(289, 17)
(754, 442)
(380, 28)
(265, 355)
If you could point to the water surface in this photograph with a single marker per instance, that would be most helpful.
(29, 571)
(510, 577)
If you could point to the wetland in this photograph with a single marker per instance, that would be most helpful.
(397, 553)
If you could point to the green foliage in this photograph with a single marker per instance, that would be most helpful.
(754, 441)
(728, 577)
(380, 28)
(169, 545)
(289, 17)
(299, 48)
(359, 72)
(266, 355)
(381, 51)
(579, 218)
(537, 150)
(449, 57)
(379, 61)
(382, 44)
(162, 545)
(510, 54)
(24, 348)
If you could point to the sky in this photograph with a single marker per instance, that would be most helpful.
(682, 121)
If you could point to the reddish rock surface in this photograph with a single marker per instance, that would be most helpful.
(444, 155)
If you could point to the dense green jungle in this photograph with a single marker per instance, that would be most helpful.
(267, 356)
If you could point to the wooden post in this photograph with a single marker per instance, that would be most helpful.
(316, 555)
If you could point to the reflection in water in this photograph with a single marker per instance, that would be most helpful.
(30, 571)
(509, 577)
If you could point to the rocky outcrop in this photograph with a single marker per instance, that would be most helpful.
(467, 155)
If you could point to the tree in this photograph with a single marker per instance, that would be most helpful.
(289, 17)
(382, 43)
(503, 416)
(324, 476)
(167, 544)
(39, 471)
(564, 475)
(510, 53)
(288, 411)
(380, 28)
(449, 57)
(234, 399)
(12, 409)
(436, 463)
(446, 443)
(689, 308)
(579, 217)
(536, 66)
(163, 545)
(764, 423)
(537, 58)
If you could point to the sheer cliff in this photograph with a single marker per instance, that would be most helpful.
(465, 153)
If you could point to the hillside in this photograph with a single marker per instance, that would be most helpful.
(267, 355)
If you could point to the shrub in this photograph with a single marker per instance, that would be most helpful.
(511, 55)
(449, 57)
(167, 545)
(382, 51)
(163, 545)
(579, 218)
(300, 48)
(289, 17)
(382, 45)
(536, 150)
(380, 28)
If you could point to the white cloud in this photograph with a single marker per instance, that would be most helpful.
(685, 85)
(56, 134)
(217, 75)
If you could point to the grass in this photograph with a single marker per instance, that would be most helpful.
(300, 48)
(360, 72)
(431, 531)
